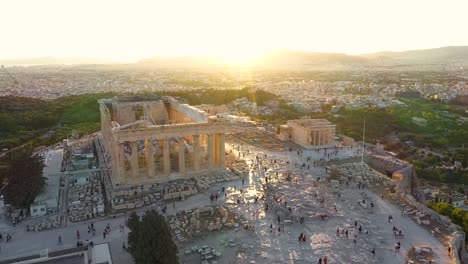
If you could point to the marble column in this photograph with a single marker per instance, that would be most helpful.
(210, 151)
(196, 152)
(121, 153)
(166, 157)
(149, 158)
(134, 158)
(315, 144)
(181, 155)
(216, 149)
(221, 151)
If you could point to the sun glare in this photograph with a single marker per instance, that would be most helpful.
(239, 58)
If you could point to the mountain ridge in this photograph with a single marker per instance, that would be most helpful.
(283, 58)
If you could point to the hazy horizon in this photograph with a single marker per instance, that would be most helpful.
(236, 31)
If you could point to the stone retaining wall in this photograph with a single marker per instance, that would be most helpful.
(456, 234)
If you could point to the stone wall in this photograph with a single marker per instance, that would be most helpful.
(454, 232)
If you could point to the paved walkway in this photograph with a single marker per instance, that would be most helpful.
(266, 246)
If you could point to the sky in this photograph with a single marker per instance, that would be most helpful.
(237, 30)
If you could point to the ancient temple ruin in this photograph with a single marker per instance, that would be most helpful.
(156, 139)
(309, 133)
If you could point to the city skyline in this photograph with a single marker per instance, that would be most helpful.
(235, 31)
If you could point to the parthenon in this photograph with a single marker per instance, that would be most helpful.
(309, 133)
(156, 139)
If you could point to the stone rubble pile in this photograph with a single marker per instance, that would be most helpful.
(204, 182)
(188, 223)
(208, 254)
(421, 255)
(47, 223)
(138, 196)
(361, 172)
(86, 201)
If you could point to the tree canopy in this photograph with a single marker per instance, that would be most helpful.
(150, 239)
(457, 215)
(23, 175)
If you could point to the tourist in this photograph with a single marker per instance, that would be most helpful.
(60, 240)
(320, 261)
(124, 248)
(325, 260)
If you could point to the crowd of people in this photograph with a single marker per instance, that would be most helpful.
(263, 169)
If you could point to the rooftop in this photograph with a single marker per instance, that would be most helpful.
(53, 163)
(310, 123)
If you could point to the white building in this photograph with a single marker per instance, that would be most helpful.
(47, 201)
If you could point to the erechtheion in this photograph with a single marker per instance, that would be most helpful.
(309, 133)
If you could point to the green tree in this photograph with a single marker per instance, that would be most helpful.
(457, 216)
(150, 239)
(24, 179)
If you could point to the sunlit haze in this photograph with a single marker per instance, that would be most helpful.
(234, 30)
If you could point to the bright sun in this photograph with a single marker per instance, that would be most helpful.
(239, 58)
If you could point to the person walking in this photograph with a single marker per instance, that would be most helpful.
(325, 260)
(320, 261)
(124, 247)
(60, 240)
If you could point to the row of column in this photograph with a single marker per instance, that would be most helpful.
(215, 153)
(322, 136)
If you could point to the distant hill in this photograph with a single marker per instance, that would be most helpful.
(53, 61)
(444, 55)
(285, 59)
(185, 61)
(304, 59)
